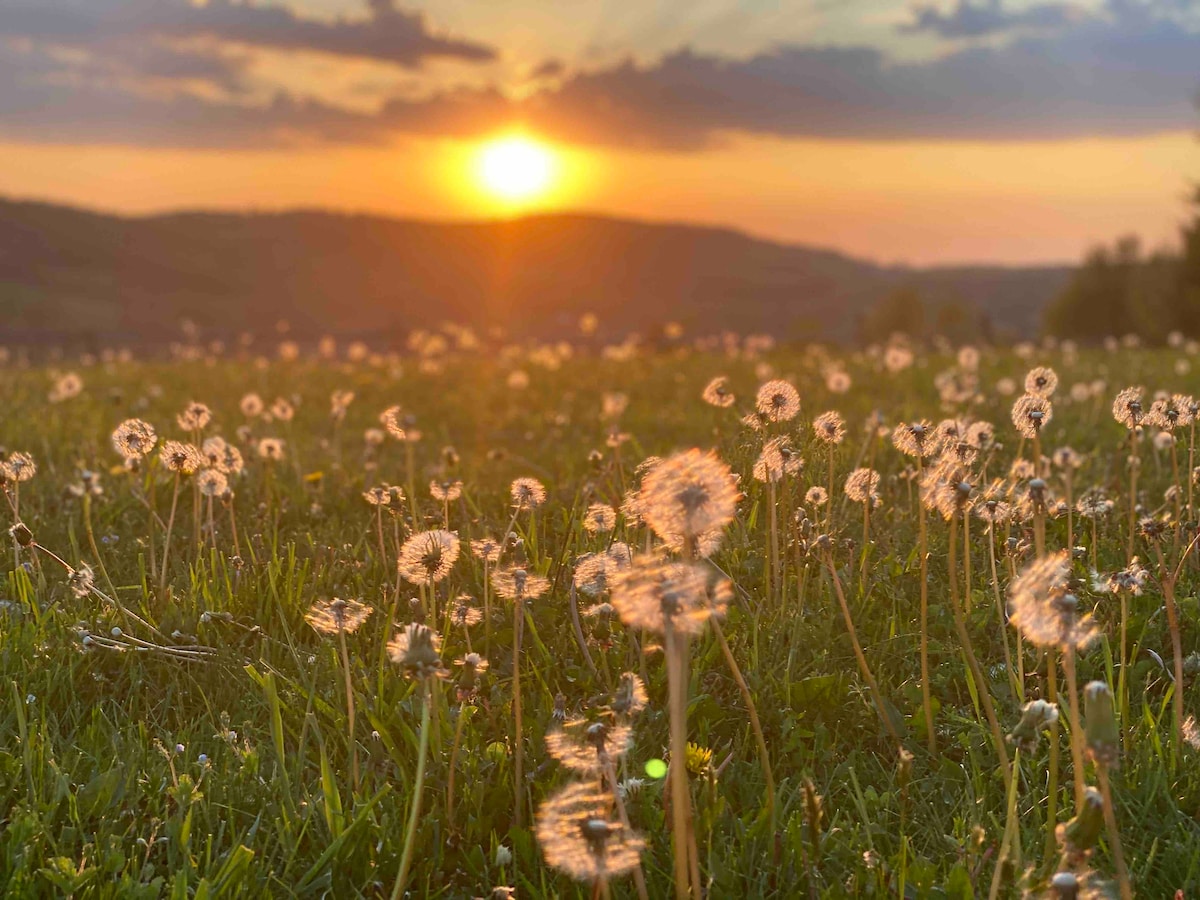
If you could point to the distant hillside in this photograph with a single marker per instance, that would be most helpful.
(70, 275)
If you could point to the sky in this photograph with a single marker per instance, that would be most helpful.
(918, 131)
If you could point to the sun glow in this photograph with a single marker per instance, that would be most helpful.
(516, 169)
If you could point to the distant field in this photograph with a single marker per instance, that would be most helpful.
(194, 718)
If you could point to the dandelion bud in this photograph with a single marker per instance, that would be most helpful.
(1101, 732)
(1080, 835)
(21, 534)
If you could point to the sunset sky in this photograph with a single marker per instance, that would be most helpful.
(993, 130)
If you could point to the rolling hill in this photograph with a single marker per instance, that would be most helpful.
(72, 276)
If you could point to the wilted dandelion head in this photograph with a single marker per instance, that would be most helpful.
(270, 449)
(994, 511)
(428, 556)
(829, 427)
(337, 615)
(914, 439)
(1130, 580)
(517, 583)
(1041, 382)
(654, 593)
(81, 580)
(415, 651)
(527, 493)
(862, 486)
(578, 837)
(717, 393)
(588, 747)
(1128, 408)
(777, 401)
(687, 496)
(600, 518)
(1036, 717)
(630, 697)
(195, 417)
(776, 460)
(184, 459)
(212, 482)
(134, 439)
(391, 420)
(1030, 414)
(1042, 608)
(445, 491)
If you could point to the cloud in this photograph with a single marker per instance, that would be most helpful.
(386, 33)
(969, 20)
(1098, 78)
(1133, 69)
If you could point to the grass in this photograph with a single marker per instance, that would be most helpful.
(136, 773)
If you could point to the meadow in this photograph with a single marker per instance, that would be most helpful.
(708, 618)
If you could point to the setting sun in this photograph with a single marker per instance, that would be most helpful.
(516, 168)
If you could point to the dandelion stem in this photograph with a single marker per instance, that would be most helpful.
(1114, 835)
(519, 744)
(1075, 725)
(414, 812)
(1052, 792)
(922, 554)
(981, 685)
(162, 584)
(681, 799)
(349, 708)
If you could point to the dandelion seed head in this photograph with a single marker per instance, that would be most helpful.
(777, 401)
(654, 593)
(1030, 414)
(687, 497)
(336, 615)
(577, 836)
(829, 427)
(428, 556)
(527, 493)
(134, 439)
(195, 417)
(1041, 382)
(1041, 607)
